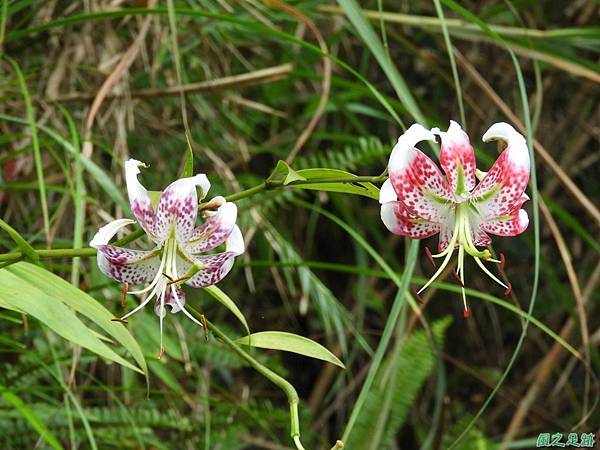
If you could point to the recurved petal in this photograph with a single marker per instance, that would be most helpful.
(215, 230)
(400, 221)
(417, 181)
(141, 206)
(503, 186)
(387, 192)
(178, 204)
(511, 224)
(123, 264)
(457, 158)
(214, 269)
(235, 242)
(173, 295)
(126, 265)
(106, 233)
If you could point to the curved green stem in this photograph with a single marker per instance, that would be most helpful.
(268, 185)
(28, 251)
(276, 379)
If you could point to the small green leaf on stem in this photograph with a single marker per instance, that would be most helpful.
(290, 174)
(188, 165)
(289, 342)
(226, 301)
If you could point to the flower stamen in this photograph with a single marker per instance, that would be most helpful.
(124, 295)
(430, 257)
(416, 295)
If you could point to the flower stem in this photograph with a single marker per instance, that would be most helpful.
(268, 185)
(276, 379)
(31, 253)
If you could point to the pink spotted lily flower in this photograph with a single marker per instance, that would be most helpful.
(179, 245)
(418, 201)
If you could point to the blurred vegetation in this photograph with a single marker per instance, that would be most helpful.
(85, 85)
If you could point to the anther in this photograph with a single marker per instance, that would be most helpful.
(118, 319)
(203, 321)
(508, 290)
(160, 353)
(430, 256)
(417, 296)
(467, 312)
(502, 262)
(455, 275)
(486, 255)
(168, 277)
(178, 280)
(124, 295)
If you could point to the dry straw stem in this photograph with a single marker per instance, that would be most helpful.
(260, 76)
(539, 148)
(463, 29)
(325, 83)
(125, 62)
(565, 255)
(552, 359)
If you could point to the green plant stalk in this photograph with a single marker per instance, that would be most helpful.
(73, 253)
(536, 219)
(37, 156)
(276, 379)
(26, 249)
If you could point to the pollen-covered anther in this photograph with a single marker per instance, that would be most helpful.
(508, 290)
(466, 312)
(118, 319)
(486, 255)
(124, 294)
(430, 257)
(178, 280)
(417, 296)
(204, 325)
(502, 262)
(457, 277)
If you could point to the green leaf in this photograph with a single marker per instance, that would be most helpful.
(356, 188)
(396, 386)
(188, 165)
(225, 300)
(283, 168)
(369, 37)
(47, 297)
(31, 417)
(289, 342)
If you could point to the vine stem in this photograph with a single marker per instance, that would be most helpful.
(11, 257)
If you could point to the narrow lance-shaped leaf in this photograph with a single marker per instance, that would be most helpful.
(356, 188)
(34, 290)
(226, 301)
(289, 174)
(289, 342)
(30, 416)
(188, 165)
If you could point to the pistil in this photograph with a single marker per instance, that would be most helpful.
(462, 237)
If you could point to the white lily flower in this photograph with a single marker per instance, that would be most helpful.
(418, 201)
(179, 244)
